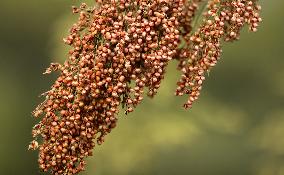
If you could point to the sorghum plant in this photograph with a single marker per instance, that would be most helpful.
(119, 49)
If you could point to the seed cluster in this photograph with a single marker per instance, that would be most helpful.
(119, 48)
(222, 21)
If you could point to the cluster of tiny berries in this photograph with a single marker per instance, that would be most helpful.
(119, 49)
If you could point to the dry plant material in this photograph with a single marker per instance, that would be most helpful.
(120, 48)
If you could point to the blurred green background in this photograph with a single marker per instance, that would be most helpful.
(235, 128)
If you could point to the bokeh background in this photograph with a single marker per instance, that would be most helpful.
(235, 128)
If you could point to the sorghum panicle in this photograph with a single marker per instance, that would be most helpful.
(119, 48)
